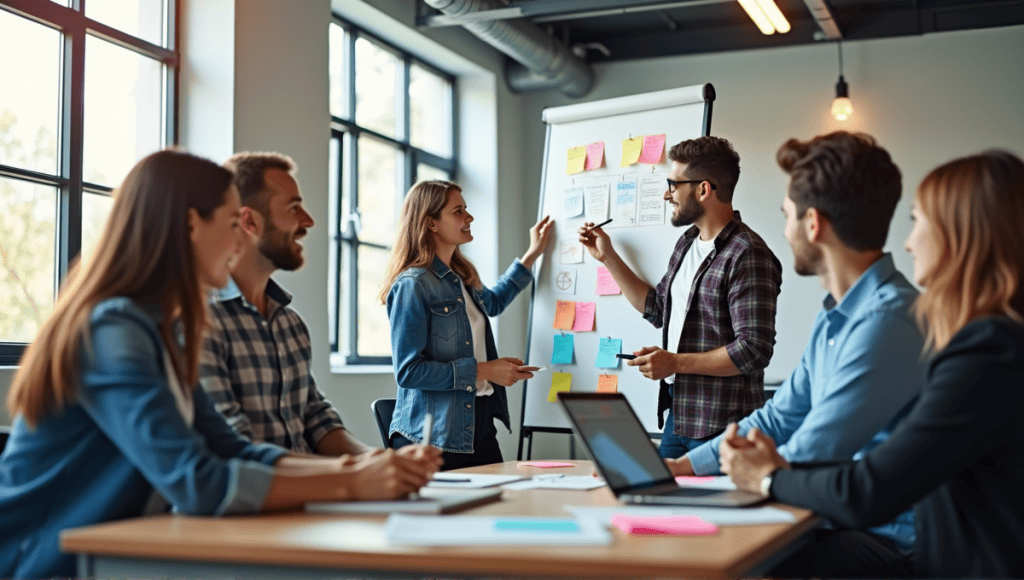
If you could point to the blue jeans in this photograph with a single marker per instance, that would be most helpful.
(674, 446)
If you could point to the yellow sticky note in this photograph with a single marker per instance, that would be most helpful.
(565, 314)
(577, 158)
(631, 149)
(560, 382)
(607, 384)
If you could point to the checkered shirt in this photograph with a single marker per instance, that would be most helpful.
(257, 371)
(732, 304)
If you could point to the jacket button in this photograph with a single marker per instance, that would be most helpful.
(459, 299)
(469, 406)
(469, 387)
(467, 342)
(446, 309)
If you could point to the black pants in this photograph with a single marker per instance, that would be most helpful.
(485, 439)
(846, 554)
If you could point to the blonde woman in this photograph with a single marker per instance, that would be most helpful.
(445, 359)
(107, 417)
(959, 455)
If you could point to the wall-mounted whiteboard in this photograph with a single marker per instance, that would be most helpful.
(643, 236)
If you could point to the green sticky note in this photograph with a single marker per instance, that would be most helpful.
(535, 525)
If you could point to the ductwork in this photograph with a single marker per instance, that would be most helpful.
(544, 62)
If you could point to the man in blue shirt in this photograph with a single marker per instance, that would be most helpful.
(862, 367)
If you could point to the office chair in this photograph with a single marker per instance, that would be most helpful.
(5, 433)
(383, 409)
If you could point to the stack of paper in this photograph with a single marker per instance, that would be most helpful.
(490, 530)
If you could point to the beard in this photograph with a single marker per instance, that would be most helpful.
(688, 212)
(806, 258)
(276, 245)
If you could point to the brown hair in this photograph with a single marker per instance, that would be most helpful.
(414, 246)
(250, 169)
(144, 253)
(975, 207)
(710, 158)
(849, 179)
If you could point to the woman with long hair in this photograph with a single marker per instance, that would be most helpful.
(958, 457)
(108, 421)
(446, 362)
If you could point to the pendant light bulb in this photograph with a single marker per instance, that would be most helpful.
(842, 107)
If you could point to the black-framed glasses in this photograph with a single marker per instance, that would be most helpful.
(672, 184)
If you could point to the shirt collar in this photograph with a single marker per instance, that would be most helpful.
(273, 290)
(723, 235)
(859, 295)
(439, 267)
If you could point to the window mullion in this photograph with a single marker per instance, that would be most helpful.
(69, 217)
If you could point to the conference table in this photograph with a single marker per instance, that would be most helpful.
(305, 545)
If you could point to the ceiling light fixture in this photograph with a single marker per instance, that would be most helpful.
(766, 15)
(842, 107)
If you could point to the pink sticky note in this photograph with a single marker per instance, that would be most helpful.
(654, 146)
(595, 155)
(691, 480)
(584, 316)
(663, 525)
(545, 464)
(605, 283)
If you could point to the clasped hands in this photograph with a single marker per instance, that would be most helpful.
(748, 459)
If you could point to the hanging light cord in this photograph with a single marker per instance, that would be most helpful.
(840, 57)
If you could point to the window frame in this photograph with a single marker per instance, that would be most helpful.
(343, 291)
(71, 187)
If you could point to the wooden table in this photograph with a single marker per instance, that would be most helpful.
(300, 545)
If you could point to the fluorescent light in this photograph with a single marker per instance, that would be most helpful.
(774, 15)
(758, 16)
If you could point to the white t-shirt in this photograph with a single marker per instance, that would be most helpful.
(478, 325)
(680, 291)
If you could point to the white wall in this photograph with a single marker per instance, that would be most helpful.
(926, 99)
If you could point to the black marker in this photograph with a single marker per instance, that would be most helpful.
(451, 479)
(592, 228)
(626, 356)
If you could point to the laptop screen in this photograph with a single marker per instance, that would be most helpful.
(616, 439)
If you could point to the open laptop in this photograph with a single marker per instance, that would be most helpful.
(628, 461)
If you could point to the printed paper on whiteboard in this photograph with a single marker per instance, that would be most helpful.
(624, 206)
(564, 280)
(573, 202)
(652, 201)
(597, 202)
(570, 251)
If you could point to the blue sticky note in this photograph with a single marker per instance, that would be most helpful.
(561, 354)
(606, 352)
(535, 525)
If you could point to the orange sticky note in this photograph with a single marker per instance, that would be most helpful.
(607, 383)
(654, 146)
(577, 157)
(584, 316)
(565, 314)
(606, 285)
(595, 155)
(560, 382)
(631, 150)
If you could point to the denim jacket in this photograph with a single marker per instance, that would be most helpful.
(432, 346)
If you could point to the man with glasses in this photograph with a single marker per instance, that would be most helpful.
(715, 304)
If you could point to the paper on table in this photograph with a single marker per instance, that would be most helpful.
(717, 516)
(476, 480)
(570, 251)
(545, 464)
(606, 351)
(576, 159)
(606, 285)
(717, 482)
(573, 202)
(652, 202)
(631, 150)
(595, 155)
(607, 384)
(565, 280)
(490, 530)
(584, 316)
(624, 204)
(596, 203)
(557, 481)
(561, 352)
(654, 146)
(662, 525)
(560, 382)
(565, 313)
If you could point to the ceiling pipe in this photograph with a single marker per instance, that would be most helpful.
(543, 61)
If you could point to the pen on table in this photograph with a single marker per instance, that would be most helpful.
(428, 427)
(604, 223)
(452, 479)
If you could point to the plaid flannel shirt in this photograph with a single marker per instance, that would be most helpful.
(257, 371)
(732, 304)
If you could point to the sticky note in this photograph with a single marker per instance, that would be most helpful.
(606, 351)
(607, 384)
(561, 352)
(560, 382)
(606, 285)
(565, 314)
(573, 202)
(595, 155)
(570, 251)
(545, 464)
(692, 480)
(564, 280)
(654, 146)
(536, 525)
(662, 525)
(631, 150)
(584, 316)
(577, 158)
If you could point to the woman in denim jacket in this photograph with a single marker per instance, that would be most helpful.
(445, 359)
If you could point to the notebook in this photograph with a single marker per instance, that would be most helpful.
(429, 500)
(623, 453)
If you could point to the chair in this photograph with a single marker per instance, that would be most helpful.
(383, 410)
(5, 433)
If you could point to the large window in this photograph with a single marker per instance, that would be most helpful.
(393, 125)
(86, 90)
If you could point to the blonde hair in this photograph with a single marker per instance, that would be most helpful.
(975, 207)
(414, 246)
(145, 254)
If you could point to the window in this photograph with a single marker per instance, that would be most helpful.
(393, 124)
(86, 90)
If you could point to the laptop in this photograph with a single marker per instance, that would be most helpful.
(628, 461)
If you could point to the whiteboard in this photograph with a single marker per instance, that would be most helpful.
(679, 114)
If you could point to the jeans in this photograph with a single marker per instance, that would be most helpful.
(674, 446)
